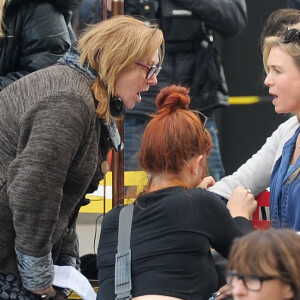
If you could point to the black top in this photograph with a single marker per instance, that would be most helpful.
(172, 234)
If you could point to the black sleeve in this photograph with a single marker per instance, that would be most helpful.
(44, 40)
(222, 228)
(293, 3)
(228, 18)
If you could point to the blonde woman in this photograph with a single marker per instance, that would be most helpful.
(57, 127)
(34, 34)
(277, 163)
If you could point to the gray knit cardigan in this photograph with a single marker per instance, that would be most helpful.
(50, 146)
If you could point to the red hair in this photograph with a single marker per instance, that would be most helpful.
(174, 135)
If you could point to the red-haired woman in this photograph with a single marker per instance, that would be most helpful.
(176, 221)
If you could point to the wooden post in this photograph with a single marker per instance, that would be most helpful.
(117, 8)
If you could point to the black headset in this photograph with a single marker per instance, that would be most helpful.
(116, 106)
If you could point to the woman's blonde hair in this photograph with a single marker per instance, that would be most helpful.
(2, 4)
(274, 252)
(113, 45)
(292, 48)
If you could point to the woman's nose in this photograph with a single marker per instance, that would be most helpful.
(268, 81)
(152, 80)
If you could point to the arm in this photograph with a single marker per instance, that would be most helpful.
(44, 39)
(227, 17)
(52, 132)
(255, 174)
(224, 226)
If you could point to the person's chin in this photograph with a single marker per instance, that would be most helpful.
(130, 105)
(278, 110)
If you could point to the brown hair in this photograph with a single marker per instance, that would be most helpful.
(113, 45)
(277, 22)
(274, 252)
(174, 135)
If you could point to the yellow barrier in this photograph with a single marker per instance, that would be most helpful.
(94, 284)
(134, 183)
(243, 100)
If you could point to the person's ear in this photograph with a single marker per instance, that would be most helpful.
(196, 163)
(199, 158)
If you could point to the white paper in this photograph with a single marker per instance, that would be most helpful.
(100, 191)
(69, 277)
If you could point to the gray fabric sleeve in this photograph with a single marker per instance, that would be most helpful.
(69, 252)
(37, 273)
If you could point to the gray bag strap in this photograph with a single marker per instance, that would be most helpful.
(123, 284)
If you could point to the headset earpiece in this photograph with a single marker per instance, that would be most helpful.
(117, 107)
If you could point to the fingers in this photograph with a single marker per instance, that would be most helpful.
(47, 293)
(244, 192)
(242, 203)
(207, 182)
(225, 292)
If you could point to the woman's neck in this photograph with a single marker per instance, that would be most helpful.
(164, 181)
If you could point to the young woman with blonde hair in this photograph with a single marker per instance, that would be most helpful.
(277, 163)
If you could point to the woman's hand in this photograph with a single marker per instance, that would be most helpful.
(207, 182)
(225, 292)
(47, 293)
(241, 203)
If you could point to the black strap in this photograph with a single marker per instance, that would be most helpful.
(123, 284)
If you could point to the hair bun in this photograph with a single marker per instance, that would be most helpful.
(173, 97)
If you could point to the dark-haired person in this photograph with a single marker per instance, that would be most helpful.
(175, 222)
(56, 127)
